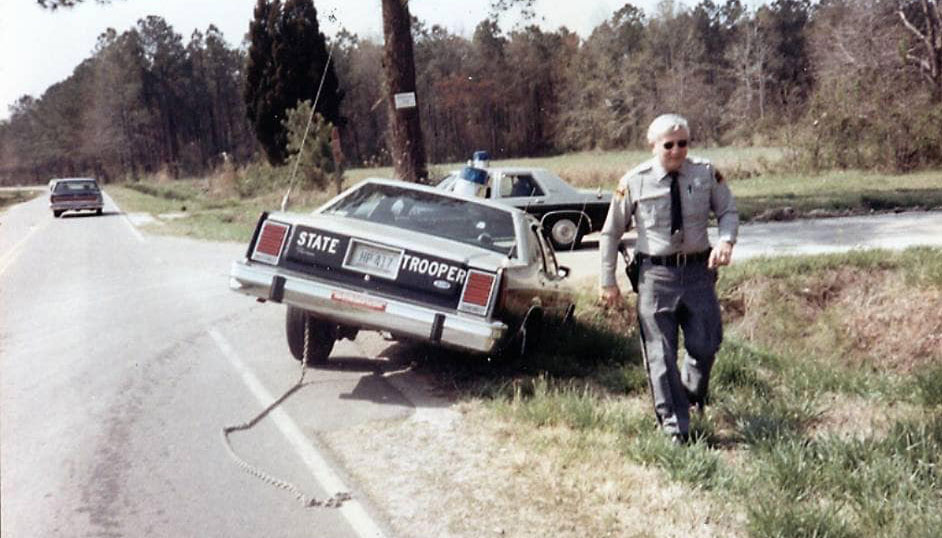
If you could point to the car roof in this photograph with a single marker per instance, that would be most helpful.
(62, 179)
(431, 190)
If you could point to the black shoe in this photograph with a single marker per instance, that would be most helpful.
(696, 402)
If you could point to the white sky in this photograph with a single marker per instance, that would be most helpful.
(40, 47)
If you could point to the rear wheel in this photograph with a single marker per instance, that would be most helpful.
(322, 336)
(98, 211)
(56, 213)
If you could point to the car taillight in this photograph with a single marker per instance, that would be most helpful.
(271, 240)
(476, 295)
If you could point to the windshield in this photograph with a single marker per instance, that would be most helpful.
(76, 186)
(429, 213)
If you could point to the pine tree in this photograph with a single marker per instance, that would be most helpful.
(287, 58)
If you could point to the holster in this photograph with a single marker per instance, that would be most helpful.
(633, 272)
(632, 266)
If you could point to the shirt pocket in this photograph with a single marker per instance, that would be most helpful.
(697, 201)
(655, 211)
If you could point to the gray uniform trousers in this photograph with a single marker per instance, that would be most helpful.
(672, 298)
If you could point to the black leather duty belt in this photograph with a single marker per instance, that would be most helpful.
(676, 260)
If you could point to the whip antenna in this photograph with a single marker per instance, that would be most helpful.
(310, 119)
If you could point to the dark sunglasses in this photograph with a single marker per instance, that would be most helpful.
(670, 145)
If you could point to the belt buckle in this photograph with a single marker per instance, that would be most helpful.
(681, 259)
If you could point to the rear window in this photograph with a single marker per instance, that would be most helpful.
(76, 186)
(429, 213)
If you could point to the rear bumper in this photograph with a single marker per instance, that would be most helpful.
(76, 206)
(349, 307)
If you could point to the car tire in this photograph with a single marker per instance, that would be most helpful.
(56, 213)
(565, 234)
(98, 212)
(323, 335)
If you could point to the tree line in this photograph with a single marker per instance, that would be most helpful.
(843, 83)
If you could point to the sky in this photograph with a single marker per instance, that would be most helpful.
(40, 47)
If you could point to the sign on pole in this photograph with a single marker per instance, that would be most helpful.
(405, 100)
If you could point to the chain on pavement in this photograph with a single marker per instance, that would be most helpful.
(335, 501)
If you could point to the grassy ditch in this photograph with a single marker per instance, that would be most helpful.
(825, 420)
(13, 197)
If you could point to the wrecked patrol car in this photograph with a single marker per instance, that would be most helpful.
(410, 260)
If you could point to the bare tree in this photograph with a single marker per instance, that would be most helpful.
(926, 54)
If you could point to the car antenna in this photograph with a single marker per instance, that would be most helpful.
(310, 119)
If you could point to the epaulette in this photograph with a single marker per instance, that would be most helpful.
(642, 168)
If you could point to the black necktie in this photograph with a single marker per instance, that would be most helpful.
(677, 217)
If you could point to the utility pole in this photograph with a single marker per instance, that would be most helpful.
(407, 146)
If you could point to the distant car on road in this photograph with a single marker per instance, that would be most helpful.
(567, 213)
(410, 260)
(74, 194)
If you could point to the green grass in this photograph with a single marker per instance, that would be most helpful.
(13, 197)
(186, 208)
(836, 192)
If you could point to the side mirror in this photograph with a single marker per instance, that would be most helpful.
(562, 271)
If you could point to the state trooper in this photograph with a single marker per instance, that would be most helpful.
(670, 198)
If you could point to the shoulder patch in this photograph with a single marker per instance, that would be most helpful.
(620, 193)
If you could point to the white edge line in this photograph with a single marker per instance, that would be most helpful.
(137, 233)
(352, 510)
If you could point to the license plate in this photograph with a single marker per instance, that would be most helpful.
(373, 259)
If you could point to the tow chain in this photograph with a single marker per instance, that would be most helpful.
(335, 501)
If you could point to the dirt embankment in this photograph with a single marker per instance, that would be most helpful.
(858, 317)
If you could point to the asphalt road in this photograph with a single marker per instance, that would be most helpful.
(123, 355)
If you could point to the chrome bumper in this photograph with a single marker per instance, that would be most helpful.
(349, 307)
(76, 206)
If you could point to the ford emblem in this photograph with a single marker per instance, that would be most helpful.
(442, 284)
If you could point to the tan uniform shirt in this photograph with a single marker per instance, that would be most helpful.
(645, 193)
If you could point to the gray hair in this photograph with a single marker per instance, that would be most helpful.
(666, 123)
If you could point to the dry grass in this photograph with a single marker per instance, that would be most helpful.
(477, 476)
(853, 315)
(847, 416)
(896, 328)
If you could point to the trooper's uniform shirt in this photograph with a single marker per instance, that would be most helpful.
(647, 187)
(673, 295)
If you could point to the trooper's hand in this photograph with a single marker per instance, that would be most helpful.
(610, 296)
(721, 254)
